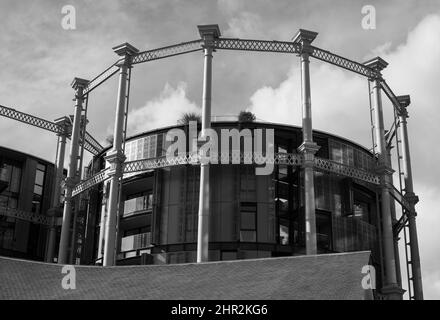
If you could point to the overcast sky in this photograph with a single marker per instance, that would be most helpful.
(40, 59)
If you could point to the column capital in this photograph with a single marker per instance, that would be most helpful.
(209, 32)
(126, 51)
(404, 102)
(308, 147)
(79, 83)
(377, 64)
(304, 38)
(65, 124)
(116, 158)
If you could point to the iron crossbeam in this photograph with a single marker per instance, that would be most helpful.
(25, 215)
(90, 182)
(29, 119)
(256, 45)
(169, 51)
(390, 94)
(345, 170)
(400, 224)
(102, 77)
(291, 159)
(90, 145)
(400, 199)
(345, 63)
(389, 136)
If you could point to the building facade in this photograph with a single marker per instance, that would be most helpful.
(251, 216)
(26, 186)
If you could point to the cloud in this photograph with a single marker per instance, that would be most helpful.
(245, 25)
(162, 111)
(340, 106)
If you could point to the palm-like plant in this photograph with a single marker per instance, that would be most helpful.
(246, 116)
(189, 116)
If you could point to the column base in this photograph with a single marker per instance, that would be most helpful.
(393, 292)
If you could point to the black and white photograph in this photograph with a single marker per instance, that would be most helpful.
(217, 159)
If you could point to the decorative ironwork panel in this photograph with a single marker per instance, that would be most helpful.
(291, 159)
(256, 45)
(91, 143)
(29, 119)
(25, 215)
(342, 169)
(87, 184)
(103, 76)
(168, 51)
(345, 63)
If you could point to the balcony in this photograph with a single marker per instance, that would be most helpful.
(134, 245)
(138, 205)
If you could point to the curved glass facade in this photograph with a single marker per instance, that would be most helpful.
(251, 216)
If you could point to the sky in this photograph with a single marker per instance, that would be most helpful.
(40, 59)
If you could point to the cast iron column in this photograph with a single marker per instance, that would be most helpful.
(55, 209)
(116, 157)
(208, 33)
(72, 178)
(390, 287)
(411, 198)
(308, 148)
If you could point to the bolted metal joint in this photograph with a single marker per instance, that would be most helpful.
(411, 197)
(308, 149)
(65, 125)
(303, 38)
(209, 34)
(377, 64)
(116, 159)
(126, 51)
(404, 102)
(78, 84)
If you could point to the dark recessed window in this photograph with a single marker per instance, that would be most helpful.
(248, 222)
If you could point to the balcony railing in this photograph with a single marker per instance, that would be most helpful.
(138, 205)
(135, 242)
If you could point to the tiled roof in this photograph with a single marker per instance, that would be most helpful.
(329, 276)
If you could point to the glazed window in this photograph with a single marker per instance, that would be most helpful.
(248, 223)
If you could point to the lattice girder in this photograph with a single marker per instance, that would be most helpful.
(169, 51)
(92, 181)
(256, 45)
(345, 170)
(345, 63)
(291, 159)
(25, 215)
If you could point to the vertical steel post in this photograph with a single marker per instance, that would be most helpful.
(116, 156)
(308, 148)
(78, 85)
(55, 209)
(411, 198)
(102, 222)
(208, 33)
(390, 287)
